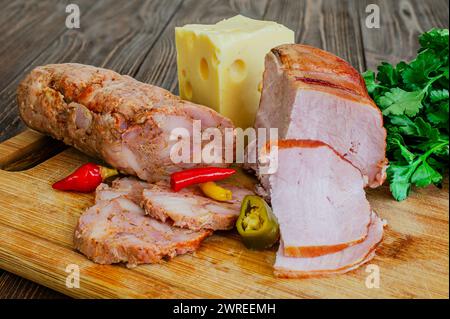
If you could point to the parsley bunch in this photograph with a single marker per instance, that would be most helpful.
(414, 100)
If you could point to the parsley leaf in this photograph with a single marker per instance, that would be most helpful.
(438, 95)
(417, 75)
(387, 74)
(369, 78)
(414, 100)
(398, 101)
(436, 39)
(438, 115)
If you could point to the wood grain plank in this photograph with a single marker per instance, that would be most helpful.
(15, 287)
(114, 35)
(26, 29)
(401, 24)
(35, 153)
(39, 254)
(159, 66)
(326, 24)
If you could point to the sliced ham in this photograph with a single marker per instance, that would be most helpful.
(318, 198)
(189, 208)
(335, 263)
(117, 230)
(311, 94)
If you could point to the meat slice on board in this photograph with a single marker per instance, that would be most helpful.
(189, 208)
(318, 199)
(311, 94)
(336, 263)
(114, 117)
(116, 229)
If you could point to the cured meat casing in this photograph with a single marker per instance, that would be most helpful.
(104, 114)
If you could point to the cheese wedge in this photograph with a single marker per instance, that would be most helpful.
(221, 65)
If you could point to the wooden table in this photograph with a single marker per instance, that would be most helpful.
(137, 38)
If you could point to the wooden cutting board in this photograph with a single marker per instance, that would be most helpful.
(37, 224)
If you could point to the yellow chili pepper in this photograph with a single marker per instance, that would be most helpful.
(214, 191)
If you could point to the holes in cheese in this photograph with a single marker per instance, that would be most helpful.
(238, 70)
(224, 63)
(204, 69)
(260, 86)
(188, 90)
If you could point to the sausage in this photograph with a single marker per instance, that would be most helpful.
(111, 116)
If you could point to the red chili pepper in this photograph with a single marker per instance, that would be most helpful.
(192, 176)
(85, 179)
